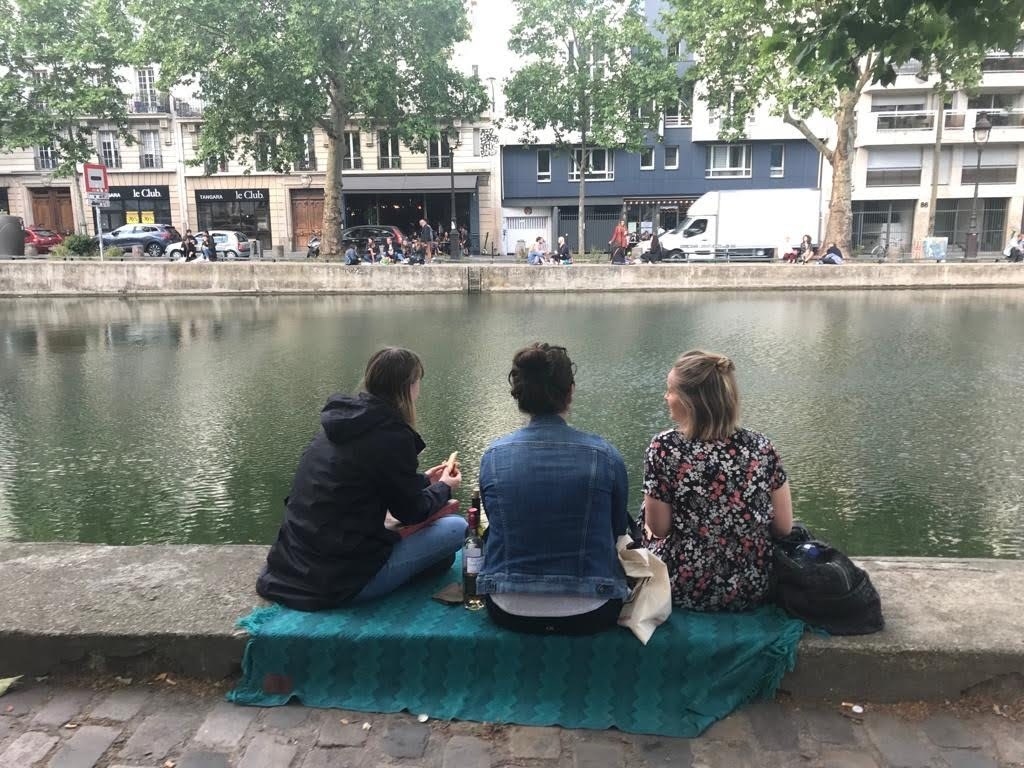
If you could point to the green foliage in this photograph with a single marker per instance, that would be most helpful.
(111, 252)
(79, 245)
(268, 71)
(60, 60)
(590, 65)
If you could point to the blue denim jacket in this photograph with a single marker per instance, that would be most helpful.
(556, 502)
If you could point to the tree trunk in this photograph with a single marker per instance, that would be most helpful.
(933, 195)
(334, 188)
(581, 202)
(76, 196)
(840, 218)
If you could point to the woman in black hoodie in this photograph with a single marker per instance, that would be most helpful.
(333, 547)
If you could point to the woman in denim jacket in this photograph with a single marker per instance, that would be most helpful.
(556, 502)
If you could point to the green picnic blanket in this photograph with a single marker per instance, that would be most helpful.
(408, 652)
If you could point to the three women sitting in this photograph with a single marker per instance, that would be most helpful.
(556, 499)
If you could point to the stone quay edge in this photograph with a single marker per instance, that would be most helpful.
(134, 278)
(954, 626)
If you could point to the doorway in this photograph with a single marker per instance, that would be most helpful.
(307, 215)
(51, 208)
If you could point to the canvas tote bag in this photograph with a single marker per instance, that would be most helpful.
(649, 602)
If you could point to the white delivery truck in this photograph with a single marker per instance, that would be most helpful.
(755, 224)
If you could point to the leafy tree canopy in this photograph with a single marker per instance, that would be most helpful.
(60, 62)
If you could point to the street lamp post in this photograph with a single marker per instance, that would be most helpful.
(453, 234)
(982, 130)
(491, 81)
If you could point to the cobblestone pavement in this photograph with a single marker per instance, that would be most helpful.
(186, 726)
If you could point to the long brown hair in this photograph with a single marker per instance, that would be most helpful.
(390, 374)
(706, 383)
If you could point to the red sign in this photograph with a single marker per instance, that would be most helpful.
(96, 178)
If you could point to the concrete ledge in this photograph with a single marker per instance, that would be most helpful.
(951, 624)
(132, 278)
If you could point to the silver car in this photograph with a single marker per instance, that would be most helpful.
(230, 245)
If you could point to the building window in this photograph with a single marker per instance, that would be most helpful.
(308, 160)
(602, 165)
(647, 159)
(998, 165)
(676, 50)
(110, 149)
(894, 167)
(728, 161)
(388, 156)
(264, 152)
(778, 161)
(477, 146)
(149, 150)
(439, 154)
(46, 158)
(147, 96)
(993, 101)
(353, 157)
(671, 158)
(543, 165)
(215, 164)
(679, 114)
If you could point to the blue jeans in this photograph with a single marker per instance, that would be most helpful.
(432, 544)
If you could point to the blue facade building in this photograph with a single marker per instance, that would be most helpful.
(540, 190)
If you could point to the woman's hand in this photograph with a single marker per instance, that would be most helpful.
(434, 474)
(452, 479)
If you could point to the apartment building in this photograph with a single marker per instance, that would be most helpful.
(895, 168)
(160, 178)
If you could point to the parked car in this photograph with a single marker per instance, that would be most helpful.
(358, 235)
(42, 238)
(229, 244)
(154, 238)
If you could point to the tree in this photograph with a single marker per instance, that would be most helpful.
(60, 62)
(269, 70)
(801, 57)
(594, 75)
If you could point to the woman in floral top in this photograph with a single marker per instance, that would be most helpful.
(714, 493)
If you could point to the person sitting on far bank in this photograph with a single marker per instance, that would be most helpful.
(1014, 250)
(564, 254)
(371, 251)
(351, 257)
(333, 547)
(655, 254)
(833, 255)
(188, 246)
(714, 492)
(536, 255)
(806, 252)
(556, 503)
(208, 245)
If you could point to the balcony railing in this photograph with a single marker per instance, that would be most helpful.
(955, 120)
(386, 163)
(352, 163)
(188, 108)
(1003, 63)
(1005, 118)
(989, 174)
(678, 121)
(893, 177)
(44, 163)
(149, 103)
(905, 121)
(439, 161)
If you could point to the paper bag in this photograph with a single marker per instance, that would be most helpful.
(650, 599)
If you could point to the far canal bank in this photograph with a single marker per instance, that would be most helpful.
(133, 278)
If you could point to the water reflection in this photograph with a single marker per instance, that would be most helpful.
(182, 419)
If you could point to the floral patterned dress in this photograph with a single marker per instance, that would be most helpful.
(719, 548)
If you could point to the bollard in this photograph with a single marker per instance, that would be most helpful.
(278, 251)
(31, 252)
(136, 251)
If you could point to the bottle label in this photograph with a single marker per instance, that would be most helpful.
(474, 561)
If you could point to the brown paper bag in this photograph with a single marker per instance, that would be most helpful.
(649, 603)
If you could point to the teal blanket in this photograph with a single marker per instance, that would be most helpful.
(408, 652)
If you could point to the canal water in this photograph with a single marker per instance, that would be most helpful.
(898, 414)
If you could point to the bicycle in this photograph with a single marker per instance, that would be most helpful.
(880, 252)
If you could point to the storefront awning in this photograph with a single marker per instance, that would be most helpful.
(391, 183)
(659, 200)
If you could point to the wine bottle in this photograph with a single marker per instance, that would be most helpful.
(481, 527)
(472, 560)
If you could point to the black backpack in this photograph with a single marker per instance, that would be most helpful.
(822, 586)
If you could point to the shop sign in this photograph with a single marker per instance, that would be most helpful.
(232, 195)
(140, 193)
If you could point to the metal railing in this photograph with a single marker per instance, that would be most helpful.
(955, 120)
(149, 103)
(352, 163)
(386, 163)
(905, 121)
(439, 161)
(188, 108)
(1003, 63)
(44, 163)
(1005, 118)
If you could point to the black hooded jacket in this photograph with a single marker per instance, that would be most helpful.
(332, 542)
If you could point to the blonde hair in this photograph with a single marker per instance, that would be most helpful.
(706, 383)
(390, 374)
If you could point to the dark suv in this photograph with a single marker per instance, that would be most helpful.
(154, 238)
(357, 236)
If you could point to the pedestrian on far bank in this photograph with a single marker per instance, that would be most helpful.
(188, 246)
(209, 246)
(427, 238)
(536, 255)
(564, 254)
(1014, 250)
(833, 255)
(620, 237)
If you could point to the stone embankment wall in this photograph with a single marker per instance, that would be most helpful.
(133, 278)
